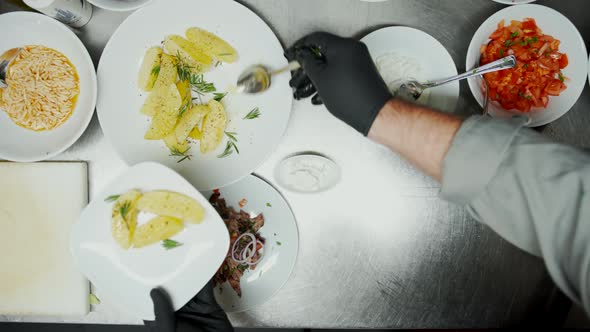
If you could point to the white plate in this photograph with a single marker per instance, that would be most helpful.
(125, 277)
(119, 5)
(120, 100)
(17, 143)
(552, 23)
(428, 52)
(514, 2)
(282, 243)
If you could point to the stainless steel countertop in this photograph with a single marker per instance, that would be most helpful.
(380, 250)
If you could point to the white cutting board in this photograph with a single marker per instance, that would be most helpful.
(38, 204)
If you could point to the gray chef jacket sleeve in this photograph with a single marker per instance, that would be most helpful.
(533, 192)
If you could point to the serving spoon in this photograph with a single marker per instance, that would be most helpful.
(259, 78)
(5, 60)
(412, 89)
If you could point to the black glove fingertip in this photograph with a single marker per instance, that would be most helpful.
(298, 78)
(163, 310)
(305, 91)
(317, 100)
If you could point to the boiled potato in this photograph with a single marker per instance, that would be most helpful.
(164, 121)
(174, 144)
(190, 53)
(150, 67)
(158, 229)
(184, 88)
(196, 133)
(168, 73)
(189, 120)
(171, 204)
(159, 99)
(214, 46)
(214, 125)
(124, 218)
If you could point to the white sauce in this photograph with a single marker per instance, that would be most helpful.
(394, 67)
(308, 173)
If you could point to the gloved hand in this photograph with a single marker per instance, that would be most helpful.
(344, 75)
(200, 314)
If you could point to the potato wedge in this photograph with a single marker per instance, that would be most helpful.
(212, 45)
(189, 120)
(150, 68)
(191, 54)
(166, 203)
(158, 229)
(167, 74)
(214, 125)
(124, 218)
(158, 100)
(196, 133)
(165, 118)
(184, 89)
(175, 145)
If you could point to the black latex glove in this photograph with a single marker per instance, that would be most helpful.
(200, 314)
(344, 75)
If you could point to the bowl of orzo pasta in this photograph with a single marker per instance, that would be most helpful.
(51, 88)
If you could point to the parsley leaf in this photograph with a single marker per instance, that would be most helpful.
(170, 244)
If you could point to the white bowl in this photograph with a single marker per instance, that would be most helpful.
(429, 53)
(552, 23)
(119, 5)
(514, 2)
(280, 250)
(124, 278)
(120, 99)
(23, 145)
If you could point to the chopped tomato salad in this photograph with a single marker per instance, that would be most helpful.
(537, 74)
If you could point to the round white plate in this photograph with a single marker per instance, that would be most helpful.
(552, 23)
(120, 99)
(124, 278)
(514, 2)
(119, 5)
(23, 145)
(434, 60)
(282, 244)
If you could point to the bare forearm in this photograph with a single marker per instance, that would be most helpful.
(419, 134)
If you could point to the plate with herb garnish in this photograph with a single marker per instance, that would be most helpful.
(149, 228)
(167, 90)
(264, 243)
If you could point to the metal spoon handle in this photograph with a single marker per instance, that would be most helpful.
(501, 64)
(293, 65)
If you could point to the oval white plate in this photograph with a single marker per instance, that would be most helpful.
(432, 56)
(552, 23)
(125, 277)
(120, 100)
(17, 143)
(514, 2)
(282, 244)
(119, 5)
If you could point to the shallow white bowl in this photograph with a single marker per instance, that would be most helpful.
(20, 144)
(434, 59)
(119, 5)
(280, 251)
(514, 2)
(552, 23)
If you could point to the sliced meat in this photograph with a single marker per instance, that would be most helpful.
(258, 223)
(235, 284)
